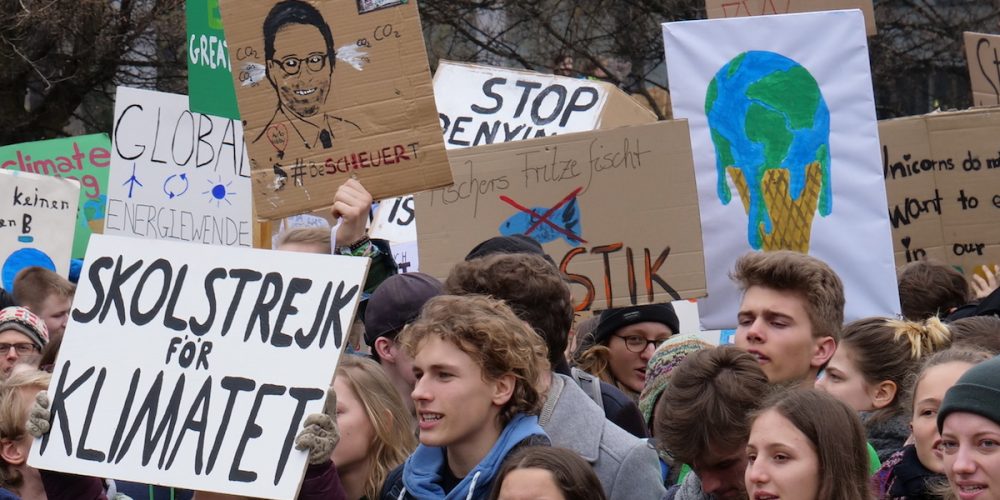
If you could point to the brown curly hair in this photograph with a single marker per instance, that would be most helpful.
(494, 337)
(529, 284)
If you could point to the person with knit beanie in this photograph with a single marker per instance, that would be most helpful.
(969, 422)
(22, 337)
(624, 341)
(658, 371)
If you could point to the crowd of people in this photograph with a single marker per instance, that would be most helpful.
(469, 388)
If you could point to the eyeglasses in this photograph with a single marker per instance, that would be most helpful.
(635, 343)
(291, 65)
(20, 347)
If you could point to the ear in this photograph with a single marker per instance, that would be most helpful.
(13, 452)
(883, 394)
(383, 347)
(503, 389)
(825, 347)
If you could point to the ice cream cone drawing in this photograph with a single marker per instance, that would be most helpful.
(771, 130)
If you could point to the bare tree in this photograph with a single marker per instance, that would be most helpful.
(61, 60)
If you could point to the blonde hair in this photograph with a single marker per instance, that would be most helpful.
(14, 412)
(307, 236)
(595, 360)
(489, 332)
(389, 417)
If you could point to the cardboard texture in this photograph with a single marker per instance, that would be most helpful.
(84, 158)
(982, 52)
(745, 8)
(37, 216)
(177, 175)
(942, 177)
(192, 397)
(616, 209)
(486, 104)
(345, 91)
(210, 81)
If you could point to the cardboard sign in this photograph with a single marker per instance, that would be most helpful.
(84, 158)
(177, 175)
(983, 54)
(942, 176)
(210, 79)
(486, 105)
(218, 355)
(745, 8)
(37, 217)
(329, 90)
(616, 209)
(786, 150)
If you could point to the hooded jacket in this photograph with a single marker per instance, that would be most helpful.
(422, 472)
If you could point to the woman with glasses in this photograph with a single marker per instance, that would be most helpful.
(623, 342)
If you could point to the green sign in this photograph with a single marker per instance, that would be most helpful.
(85, 158)
(210, 79)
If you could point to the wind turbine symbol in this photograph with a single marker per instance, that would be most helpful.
(132, 181)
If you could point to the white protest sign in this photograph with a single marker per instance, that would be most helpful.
(193, 366)
(786, 150)
(485, 105)
(37, 220)
(395, 221)
(175, 174)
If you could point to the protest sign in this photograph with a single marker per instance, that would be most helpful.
(485, 104)
(395, 221)
(37, 217)
(210, 79)
(330, 90)
(982, 52)
(177, 175)
(616, 209)
(942, 176)
(789, 130)
(84, 158)
(193, 366)
(744, 8)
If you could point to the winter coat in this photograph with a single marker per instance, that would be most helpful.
(627, 466)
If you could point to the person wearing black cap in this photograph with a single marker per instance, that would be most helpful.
(969, 422)
(623, 342)
(392, 306)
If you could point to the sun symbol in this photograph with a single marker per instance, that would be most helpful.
(219, 192)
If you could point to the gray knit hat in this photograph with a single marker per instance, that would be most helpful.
(977, 392)
(24, 321)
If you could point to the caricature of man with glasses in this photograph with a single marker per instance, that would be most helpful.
(299, 53)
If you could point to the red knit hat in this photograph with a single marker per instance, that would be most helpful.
(24, 321)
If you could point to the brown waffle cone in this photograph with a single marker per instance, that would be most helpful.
(791, 221)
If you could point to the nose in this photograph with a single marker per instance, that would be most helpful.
(647, 352)
(755, 332)
(964, 463)
(11, 353)
(756, 473)
(420, 392)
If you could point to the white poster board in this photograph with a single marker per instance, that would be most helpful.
(486, 105)
(786, 150)
(175, 174)
(395, 220)
(193, 366)
(37, 221)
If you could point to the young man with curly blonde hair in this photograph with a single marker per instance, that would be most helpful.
(477, 368)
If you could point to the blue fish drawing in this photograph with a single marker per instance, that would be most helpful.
(566, 217)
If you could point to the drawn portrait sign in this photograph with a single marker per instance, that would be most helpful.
(37, 217)
(330, 90)
(982, 52)
(177, 175)
(786, 150)
(83, 158)
(616, 209)
(220, 354)
(942, 176)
